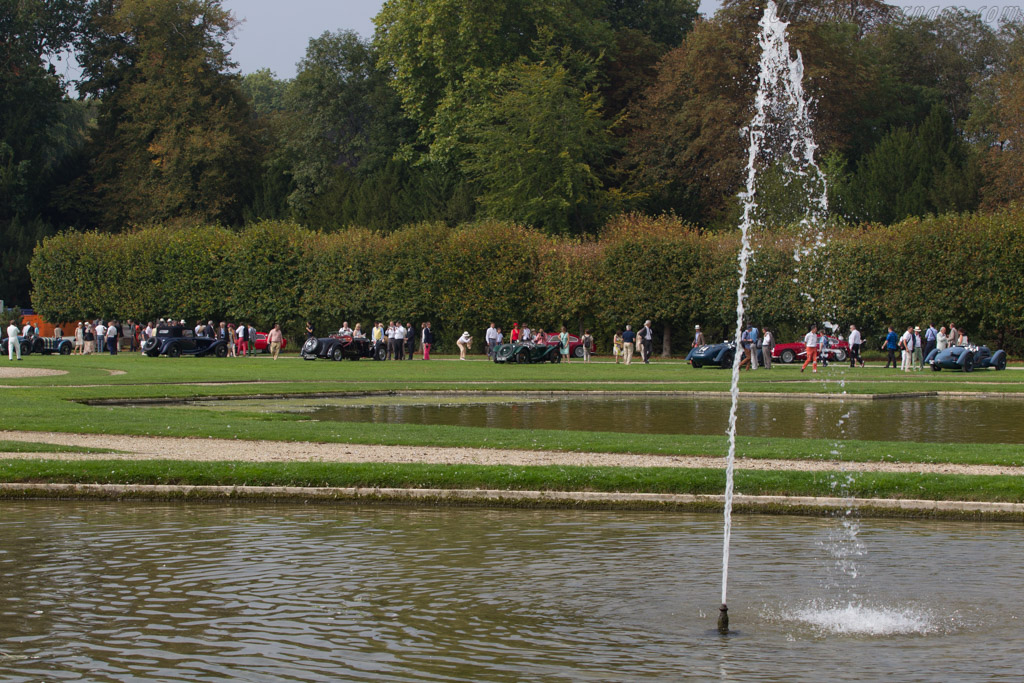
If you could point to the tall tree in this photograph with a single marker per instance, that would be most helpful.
(175, 136)
(537, 148)
(40, 129)
(998, 123)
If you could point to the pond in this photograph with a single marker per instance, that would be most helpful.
(915, 419)
(127, 592)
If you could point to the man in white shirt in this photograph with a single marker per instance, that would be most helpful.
(907, 345)
(389, 340)
(811, 348)
(345, 330)
(491, 337)
(398, 338)
(101, 335)
(855, 342)
(27, 331)
(13, 343)
(526, 334)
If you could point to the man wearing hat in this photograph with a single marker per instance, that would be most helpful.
(698, 337)
(647, 341)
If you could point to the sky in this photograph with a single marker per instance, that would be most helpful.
(274, 33)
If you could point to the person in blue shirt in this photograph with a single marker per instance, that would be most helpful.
(628, 338)
(891, 345)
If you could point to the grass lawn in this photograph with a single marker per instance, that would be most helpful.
(54, 403)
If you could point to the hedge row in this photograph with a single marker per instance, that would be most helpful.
(965, 269)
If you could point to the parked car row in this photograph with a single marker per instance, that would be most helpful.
(342, 346)
(41, 345)
(722, 354)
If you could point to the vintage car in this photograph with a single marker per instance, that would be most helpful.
(175, 340)
(720, 355)
(838, 350)
(338, 346)
(966, 358)
(47, 345)
(262, 346)
(519, 352)
(26, 345)
(575, 345)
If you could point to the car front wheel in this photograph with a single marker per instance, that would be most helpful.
(523, 356)
(336, 353)
(222, 351)
(788, 356)
(174, 351)
(840, 355)
(578, 351)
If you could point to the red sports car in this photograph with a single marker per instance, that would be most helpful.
(575, 345)
(838, 351)
(262, 346)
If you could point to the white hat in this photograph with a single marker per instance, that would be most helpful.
(696, 327)
(465, 334)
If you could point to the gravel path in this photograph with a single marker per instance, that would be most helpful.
(168, 448)
(17, 372)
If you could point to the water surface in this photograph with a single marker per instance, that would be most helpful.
(932, 419)
(128, 592)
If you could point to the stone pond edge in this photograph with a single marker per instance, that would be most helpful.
(789, 505)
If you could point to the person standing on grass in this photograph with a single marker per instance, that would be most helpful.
(79, 339)
(464, 342)
(252, 341)
(811, 348)
(13, 343)
(855, 341)
(767, 344)
(274, 339)
(698, 338)
(647, 341)
(747, 345)
(588, 345)
(755, 346)
(891, 344)
(491, 338)
(628, 340)
(514, 334)
(918, 360)
(427, 340)
(399, 337)
(112, 338)
(907, 349)
(941, 340)
(410, 341)
(563, 344)
(309, 329)
(931, 337)
(617, 346)
(232, 341)
(954, 335)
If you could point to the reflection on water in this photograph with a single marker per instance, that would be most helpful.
(207, 593)
(919, 419)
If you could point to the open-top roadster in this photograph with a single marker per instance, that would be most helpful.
(338, 346)
(720, 355)
(529, 352)
(838, 350)
(966, 358)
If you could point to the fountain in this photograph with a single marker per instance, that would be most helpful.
(780, 132)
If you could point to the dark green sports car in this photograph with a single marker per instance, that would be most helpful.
(519, 352)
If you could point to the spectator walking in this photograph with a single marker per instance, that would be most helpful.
(907, 349)
(588, 345)
(891, 345)
(628, 339)
(274, 339)
(855, 342)
(563, 344)
(747, 346)
(811, 348)
(464, 343)
(767, 345)
(427, 340)
(617, 346)
(491, 337)
(13, 343)
(242, 339)
(647, 341)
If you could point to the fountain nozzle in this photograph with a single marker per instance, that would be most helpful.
(723, 619)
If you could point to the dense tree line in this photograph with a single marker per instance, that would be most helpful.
(463, 277)
(555, 114)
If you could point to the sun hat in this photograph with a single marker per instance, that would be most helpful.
(696, 327)
(917, 329)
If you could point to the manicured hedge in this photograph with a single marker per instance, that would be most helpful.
(960, 268)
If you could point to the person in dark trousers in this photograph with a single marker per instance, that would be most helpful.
(410, 341)
(892, 344)
(931, 336)
(647, 340)
(855, 341)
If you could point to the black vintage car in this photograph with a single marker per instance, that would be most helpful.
(26, 345)
(339, 346)
(528, 352)
(48, 345)
(175, 340)
(717, 355)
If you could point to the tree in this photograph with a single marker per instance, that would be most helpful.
(175, 135)
(41, 131)
(914, 172)
(536, 149)
(343, 114)
(433, 47)
(998, 122)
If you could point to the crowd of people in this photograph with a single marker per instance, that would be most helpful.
(914, 348)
